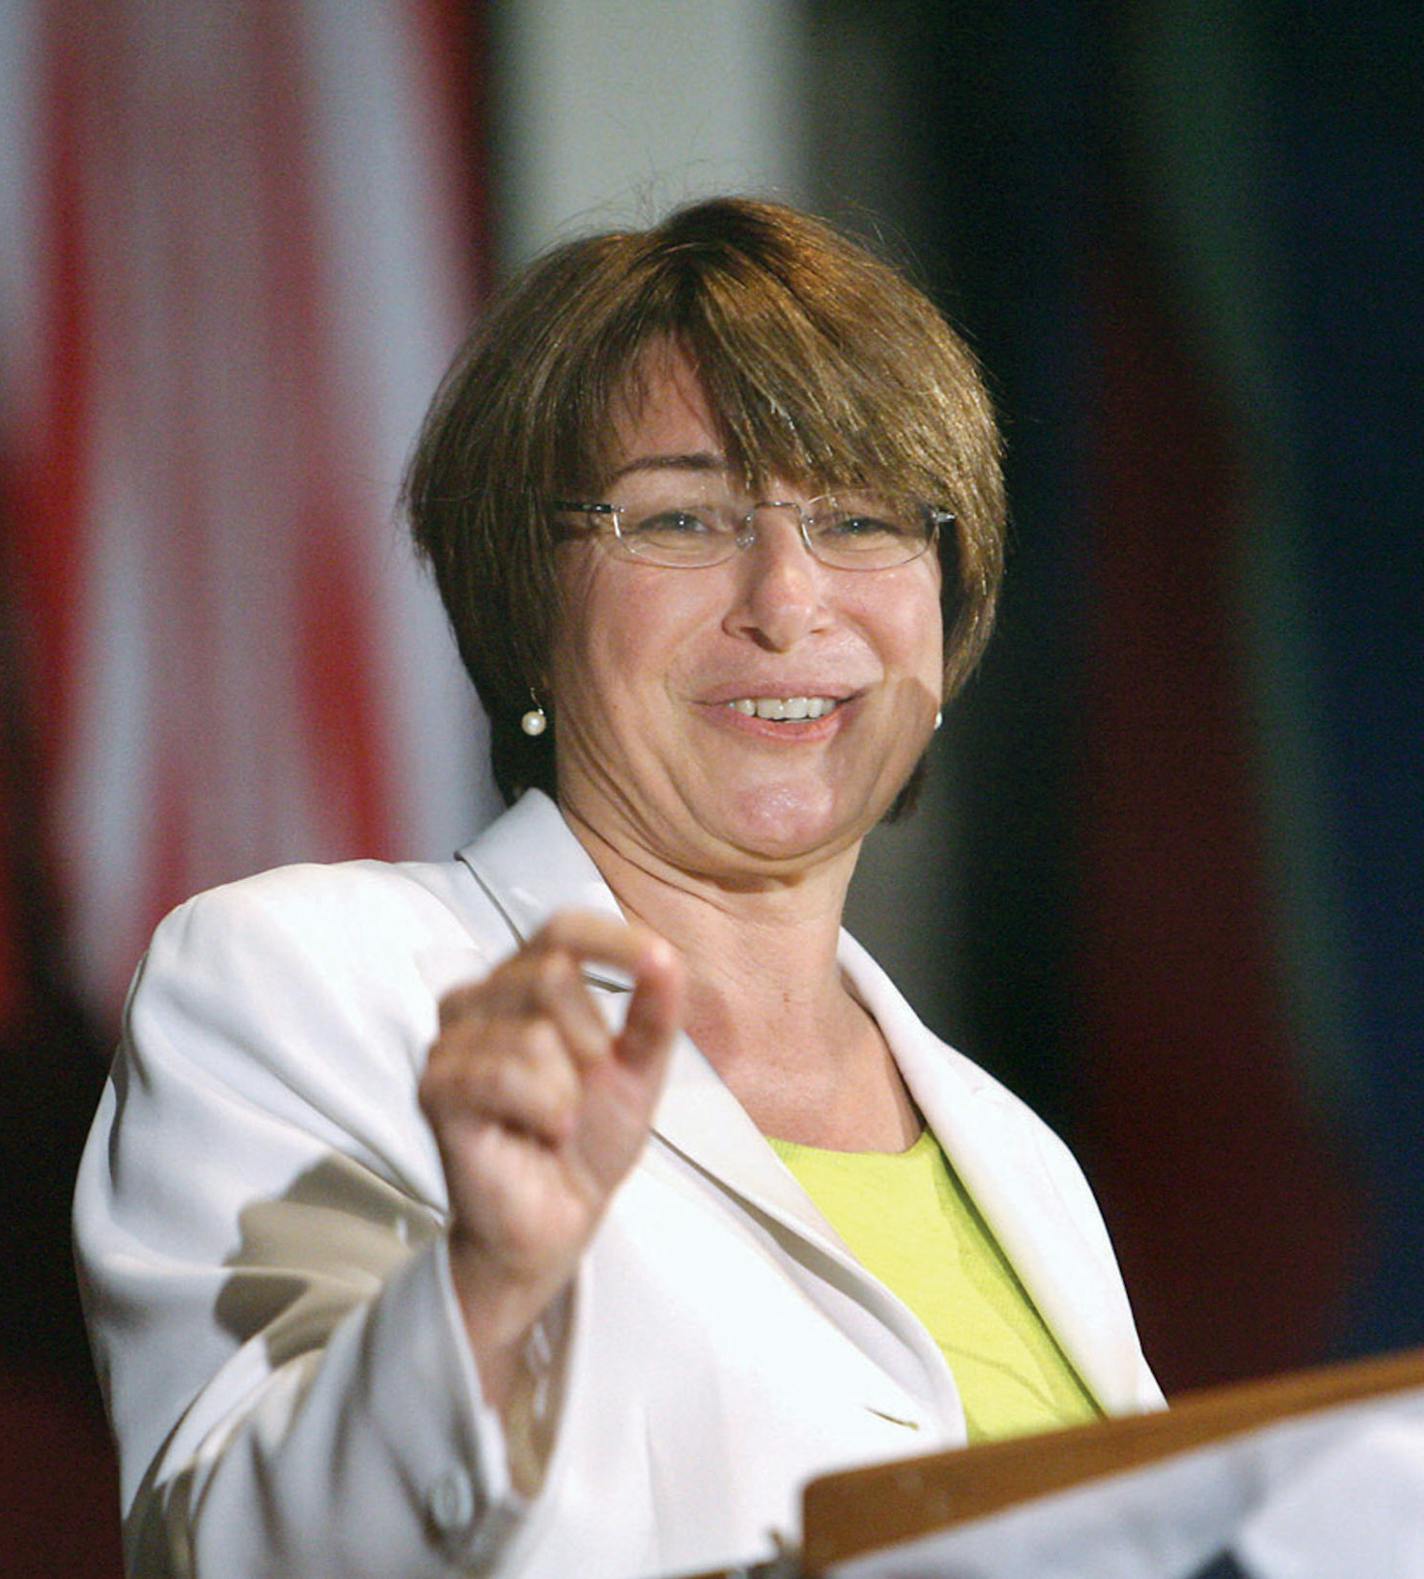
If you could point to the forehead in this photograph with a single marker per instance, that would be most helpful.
(663, 411)
(665, 419)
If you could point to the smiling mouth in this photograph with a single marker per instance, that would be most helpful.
(782, 708)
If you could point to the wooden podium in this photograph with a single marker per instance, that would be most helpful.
(860, 1511)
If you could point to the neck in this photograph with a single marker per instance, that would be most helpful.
(760, 955)
(766, 1003)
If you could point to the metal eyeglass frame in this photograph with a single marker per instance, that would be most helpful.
(745, 536)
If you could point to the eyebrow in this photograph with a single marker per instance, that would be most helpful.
(695, 461)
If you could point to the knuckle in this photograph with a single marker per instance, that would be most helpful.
(496, 1080)
(510, 1061)
(471, 1001)
(553, 974)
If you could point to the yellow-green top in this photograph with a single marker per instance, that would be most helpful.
(908, 1220)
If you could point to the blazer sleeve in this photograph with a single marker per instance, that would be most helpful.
(260, 1222)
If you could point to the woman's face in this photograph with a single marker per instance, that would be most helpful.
(649, 660)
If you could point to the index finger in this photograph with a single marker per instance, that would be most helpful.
(595, 938)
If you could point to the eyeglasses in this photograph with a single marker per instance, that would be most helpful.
(851, 530)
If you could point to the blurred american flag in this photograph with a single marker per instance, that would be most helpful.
(238, 245)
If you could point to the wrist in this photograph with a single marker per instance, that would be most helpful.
(502, 1319)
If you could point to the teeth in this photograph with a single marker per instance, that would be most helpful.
(782, 707)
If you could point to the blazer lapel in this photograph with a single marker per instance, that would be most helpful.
(1027, 1187)
(699, 1117)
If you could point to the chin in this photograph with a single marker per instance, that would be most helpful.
(782, 821)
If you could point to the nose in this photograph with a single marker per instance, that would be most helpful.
(781, 588)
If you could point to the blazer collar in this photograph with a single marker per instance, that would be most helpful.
(530, 864)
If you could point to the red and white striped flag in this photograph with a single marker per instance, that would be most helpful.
(236, 252)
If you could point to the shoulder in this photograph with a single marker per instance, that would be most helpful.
(340, 901)
(366, 921)
(316, 980)
(308, 991)
(357, 922)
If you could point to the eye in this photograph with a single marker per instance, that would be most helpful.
(685, 534)
(861, 519)
(673, 523)
(869, 531)
(861, 526)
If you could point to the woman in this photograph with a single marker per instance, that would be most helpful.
(445, 1218)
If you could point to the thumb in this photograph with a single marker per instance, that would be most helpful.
(655, 1013)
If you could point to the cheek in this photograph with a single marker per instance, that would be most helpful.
(928, 627)
(906, 627)
(643, 621)
(618, 638)
(619, 652)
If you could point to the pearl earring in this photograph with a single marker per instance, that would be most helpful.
(939, 716)
(536, 720)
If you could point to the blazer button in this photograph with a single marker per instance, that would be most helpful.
(451, 1502)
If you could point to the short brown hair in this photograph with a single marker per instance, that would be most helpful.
(823, 364)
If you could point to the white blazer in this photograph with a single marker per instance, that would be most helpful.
(260, 1221)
